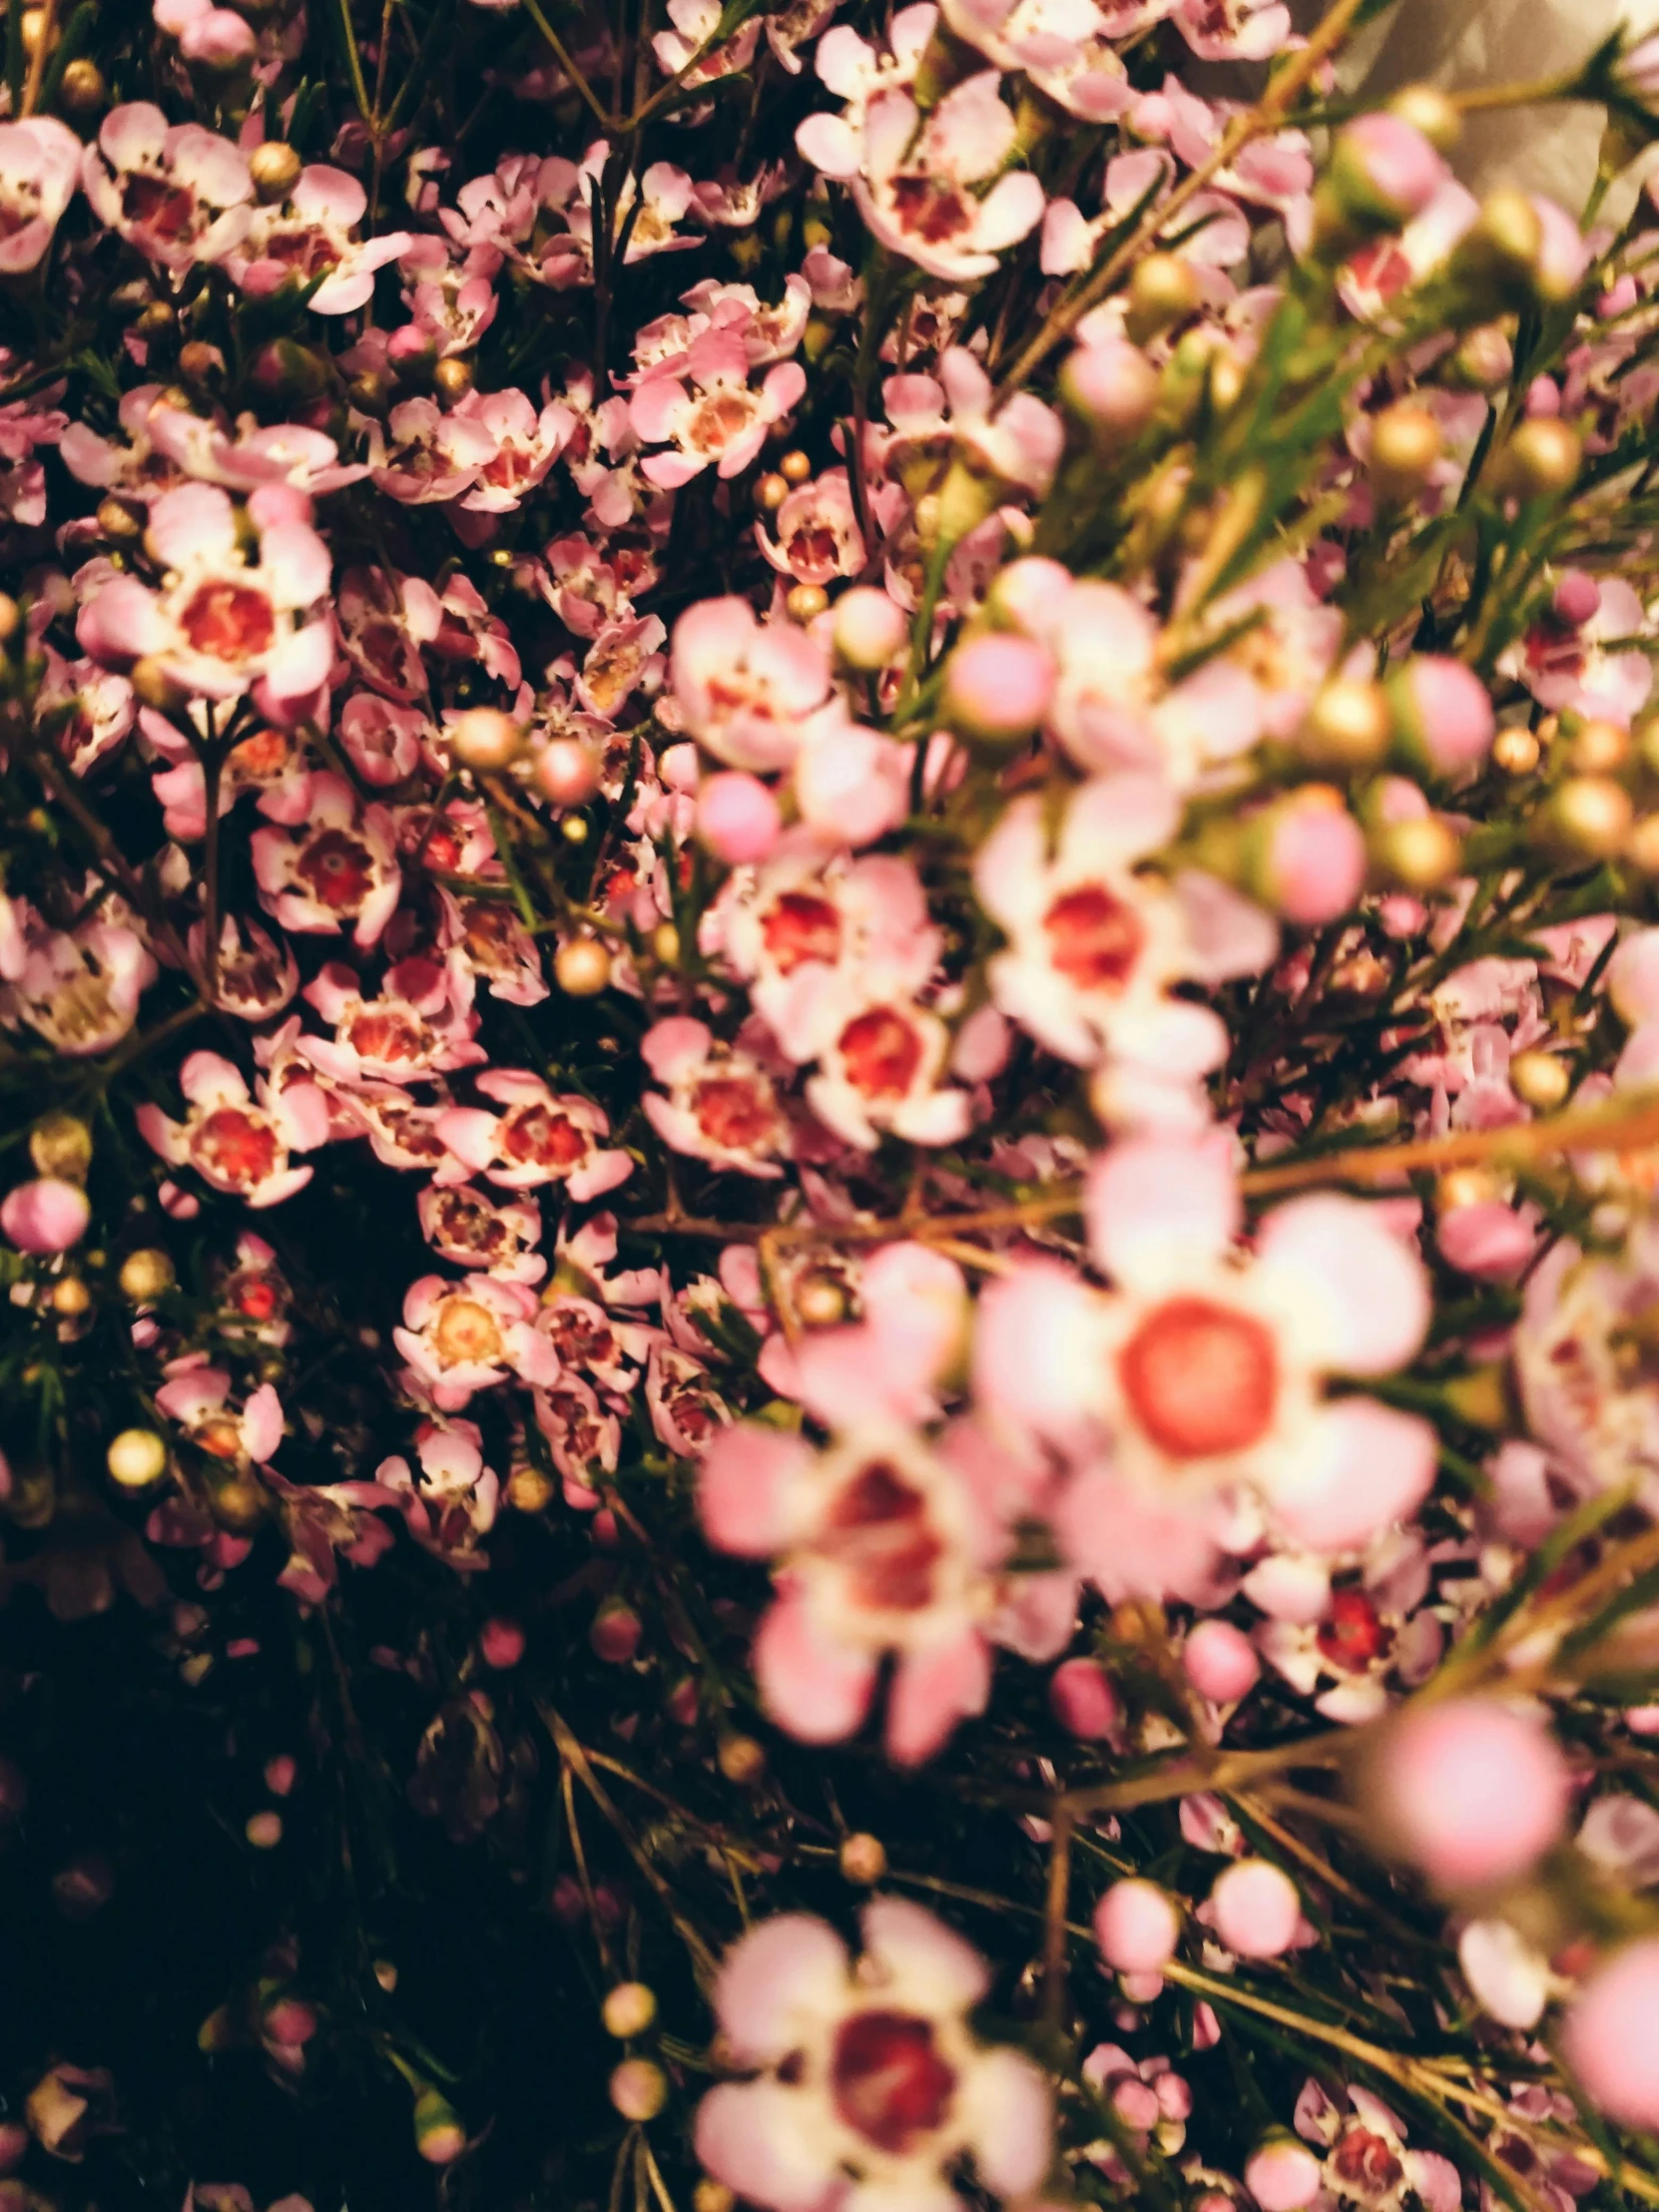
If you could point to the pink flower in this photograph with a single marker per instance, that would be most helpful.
(748, 691)
(309, 236)
(541, 1135)
(818, 537)
(526, 444)
(719, 1104)
(870, 2085)
(40, 166)
(1093, 949)
(46, 1216)
(461, 1338)
(274, 453)
(424, 456)
(1061, 45)
(342, 868)
(178, 193)
(1136, 1926)
(880, 1064)
(716, 418)
(217, 37)
(221, 622)
(238, 1141)
(80, 989)
(1233, 30)
(198, 1398)
(414, 1028)
(384, 743)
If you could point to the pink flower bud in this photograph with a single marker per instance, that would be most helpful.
(567, 771)
(1256, 1908)
(737, 818)
(1471, 1791)
(1112, 387)
(1220, 1662)
(502, 1643)
(1612, 2036)
(1384, 171)
(1577, 597)
(14, 2145)
(45, 1216)
(1025, 594)
(870, 630)
(280, 1774)
(1283, 2175)
(1082, 1699)
(1489, 1239)
(616, 1631)
(1313, 859)
(997, 688)
(1135, 1928)
(1444, 717)
(1543, 400)
(289, 2023)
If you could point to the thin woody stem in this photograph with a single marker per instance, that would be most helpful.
(606, 120)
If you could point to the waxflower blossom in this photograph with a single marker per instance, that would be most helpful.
(40, 163)
(540, 1137)
(339, 868)
(717, 1104)
(222, 624)
(239, 1142)
(871, 2073)
(179, 192)
(462, 1337)
(306, 239)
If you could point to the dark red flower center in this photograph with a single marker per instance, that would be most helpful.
(881, 1053)
(735, 1112)
(234, 1147)
(878, 1530)
(337, 870)
(1094, 939)
(888, 2080)
(1353, 1633)
(929, 210)
(153, 204)
(387, 1037)
(229, 622)
(799, 927)
(1201, 1378)
(536, 1136)
(1366, 2159)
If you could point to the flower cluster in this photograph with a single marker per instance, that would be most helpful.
(888, 782)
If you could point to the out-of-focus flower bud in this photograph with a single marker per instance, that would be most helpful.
(136, 1458)
(1111, 390)
(1136, 1927)
(863, 1860)
(1444, 720)
(870, 629)
(1350, 725)
(60, 1145)
(997, 687)
(582, 968)
(439, 2136)
(1541, 460)
(1405, 443)
(1471, 1791)
(629, 2010)
(1162, 291)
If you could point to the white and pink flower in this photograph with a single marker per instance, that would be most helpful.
(340, 868)
(179, 192)
(541, 1135)
(241, 1142)
(467, 1336)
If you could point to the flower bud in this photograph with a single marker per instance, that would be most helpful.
(1219, 1661)
(1588, 818)
(582, 968)
(1541, 1080)
(1082, 1699)
(1470, 1791)
(1542, 459)
(1497, 256)
(1429, 110)
(264, 1830)
(742, 1759)
(1612, 2036)
(1405, 443)
(1384, 172)
(82, 88)
(1136, 1926)
(870, 629)
(1307, 855)
(1282, 2174)
(1111, 390)
(863, 1860)
(639, 2089)
(46, 1216)
(997, 688)
(796, 466)
(1348, 723)
(1256, 1908)
(485, 740)
(616, 1632)
(1162, 291)
(738, 817)
(1483, 361)
(274, 168)
(146, 1275)
(136, 1458)
(1444, 720)
(1576, 598)
(629, 2010)
(771, 494)
(567, 771)
(154, 686)
(1599, 748)
(1419, 853)
(1642, 848)
(454, 378)
(60, 1146)
(712, 2196)
(439, 2136)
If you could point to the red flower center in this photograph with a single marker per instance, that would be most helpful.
(1200, 1379)
(799, 927)
(1094, 939)
(257, 1300)
(153, 204)
(1353, 1633)
(888, 2082)
(337, 870)
(735, 1112)
(1367, 2159)
(537, 1135)
(929, 210)
(229, 622)
(878, 1532)
(721, 418)
(466, 1224)
(387, 1037)
(881, 1053)
(234, 1148)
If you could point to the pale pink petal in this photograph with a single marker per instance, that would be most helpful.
(819, 1691)
(743, 1488)
(931, 1691)
(1364, 1466)
(1363, 1298)
(788, 1966)
(1156, 1207)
